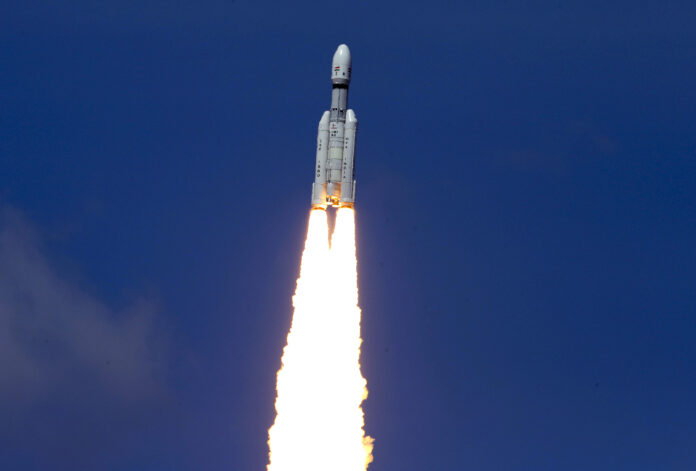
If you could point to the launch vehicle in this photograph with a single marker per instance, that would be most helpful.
(334, 177)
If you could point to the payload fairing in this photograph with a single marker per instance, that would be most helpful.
(334, 178)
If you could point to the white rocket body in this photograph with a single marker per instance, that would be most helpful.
(334, 178)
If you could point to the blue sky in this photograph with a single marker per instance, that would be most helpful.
(526, 177)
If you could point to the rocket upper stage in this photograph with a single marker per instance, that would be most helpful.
(334, 178)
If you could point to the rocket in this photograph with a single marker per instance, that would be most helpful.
(334, 177)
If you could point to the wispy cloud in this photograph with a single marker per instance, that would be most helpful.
(56, 339)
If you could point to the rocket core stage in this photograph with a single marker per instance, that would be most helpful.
(334, 179)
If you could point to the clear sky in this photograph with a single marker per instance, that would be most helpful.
(526, 224)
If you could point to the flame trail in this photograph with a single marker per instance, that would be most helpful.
(319, 422)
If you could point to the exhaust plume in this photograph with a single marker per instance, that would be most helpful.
(319, 420)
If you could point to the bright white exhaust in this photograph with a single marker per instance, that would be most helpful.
(319, 424)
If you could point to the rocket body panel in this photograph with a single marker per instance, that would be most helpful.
(348, 170)
(320, 175)
(334, 183)
(322, 148)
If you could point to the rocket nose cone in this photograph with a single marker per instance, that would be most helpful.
(342, 56)
(341, 66)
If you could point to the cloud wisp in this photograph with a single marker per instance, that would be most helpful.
(56, 339)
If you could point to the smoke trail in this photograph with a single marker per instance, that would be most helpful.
(347, 322)
(319, 422)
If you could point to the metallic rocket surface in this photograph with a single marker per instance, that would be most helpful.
(334, 177)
